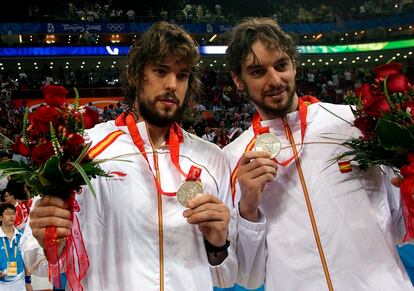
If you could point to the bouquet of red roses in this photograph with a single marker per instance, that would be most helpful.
(384, 113)
(52, 142)
(56, 163)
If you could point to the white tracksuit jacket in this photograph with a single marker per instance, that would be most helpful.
(356, 215)
(137, 239)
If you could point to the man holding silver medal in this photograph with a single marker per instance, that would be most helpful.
(138, 235)
(302, 224)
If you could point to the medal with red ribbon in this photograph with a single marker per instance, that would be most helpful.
(259, 130)
(175, 137)
(274, 145)
(190, 187)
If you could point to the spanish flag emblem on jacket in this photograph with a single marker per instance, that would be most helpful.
(345, 166)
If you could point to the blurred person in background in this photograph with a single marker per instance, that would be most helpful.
(13, 276)
(15, 194)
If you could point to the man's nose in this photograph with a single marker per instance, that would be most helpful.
(171, 82)
(274, 77)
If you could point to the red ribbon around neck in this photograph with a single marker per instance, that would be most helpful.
(303, 111)
(174, 139)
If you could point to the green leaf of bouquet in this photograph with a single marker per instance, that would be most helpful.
(336, 115)
(50, 172)
(9, 164)
(16, 169)
(6, 138)
(76, 104)
(411, 129)
(84, 176)
(83, 153)
(392, 135)
(43, 181)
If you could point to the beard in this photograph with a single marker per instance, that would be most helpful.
(284, 108)
(160, 118)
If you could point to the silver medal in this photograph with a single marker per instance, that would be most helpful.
(268, 142)
(188, 190)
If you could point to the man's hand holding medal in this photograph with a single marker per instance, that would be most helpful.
(206, 211)
(257, 168)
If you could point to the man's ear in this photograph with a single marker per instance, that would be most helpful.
(239, 83)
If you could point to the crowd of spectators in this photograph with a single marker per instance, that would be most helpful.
(99, 11)
(185, 11)
(219, 114)
(199, 12)
(337, 11)
(10, 118)
(23, 83)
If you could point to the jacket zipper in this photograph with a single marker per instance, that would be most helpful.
(160, 224)
(309, 206)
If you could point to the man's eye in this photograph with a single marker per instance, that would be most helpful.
(182, 76)
(257, 73)
(160, 72)
(282, 66)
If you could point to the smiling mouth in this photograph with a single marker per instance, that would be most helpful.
(274, 93)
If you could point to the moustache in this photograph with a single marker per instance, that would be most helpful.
(276, 91)
(170, 97)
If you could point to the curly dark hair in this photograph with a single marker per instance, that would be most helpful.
(252, 29)
(156, 44)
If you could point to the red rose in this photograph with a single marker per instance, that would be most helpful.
(366, 125)
(42, 116)
(365, 93)
(397, 83)
(54, 95)
(74, 144)
(373, 105)
(90, 117)
(20, 148)
(377, 108)
(42, 152)
(388, 69)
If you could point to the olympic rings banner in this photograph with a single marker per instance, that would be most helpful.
(195, 28)
(81, 27)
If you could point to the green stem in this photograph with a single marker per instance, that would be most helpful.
(336, 115)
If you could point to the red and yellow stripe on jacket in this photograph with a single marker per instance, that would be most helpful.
(104, 143)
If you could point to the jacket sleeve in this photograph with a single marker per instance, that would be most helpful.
(225, 274)
(33, 255)
(249, 237)
(251, 251)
